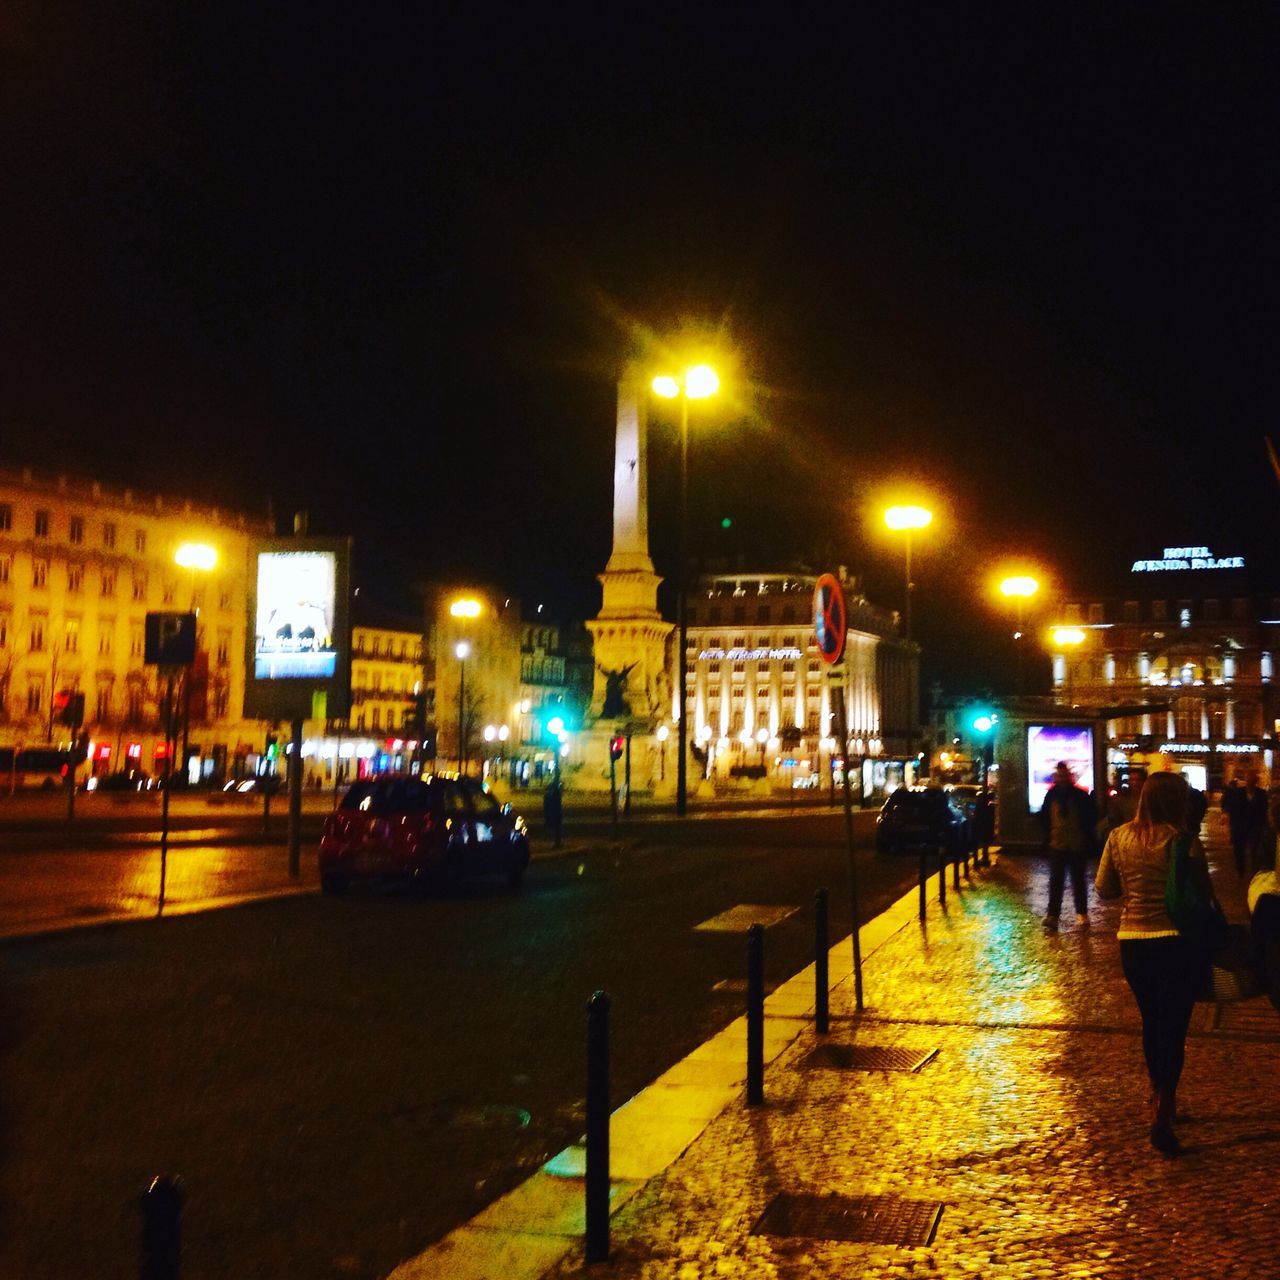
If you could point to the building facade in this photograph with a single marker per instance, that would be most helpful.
(80, 567)
(1180, 668)
(760, 697)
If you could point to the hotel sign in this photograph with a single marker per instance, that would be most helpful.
(1179, 558)
(748, 655)
(1222, 748)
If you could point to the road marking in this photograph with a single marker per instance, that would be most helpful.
(740, 918)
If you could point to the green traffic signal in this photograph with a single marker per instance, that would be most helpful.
(984, 721)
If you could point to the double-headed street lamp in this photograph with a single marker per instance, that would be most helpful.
(1067, 638)
(698, 383)
(1020, 588)
(906, 520)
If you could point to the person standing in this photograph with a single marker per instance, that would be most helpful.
(1246, 810)
(553, 808)
(1070, 819)
(1163, 970)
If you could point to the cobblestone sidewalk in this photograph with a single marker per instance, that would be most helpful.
(1028, 1127)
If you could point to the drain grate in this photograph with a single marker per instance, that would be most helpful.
(863, 1219)
(867, 1057)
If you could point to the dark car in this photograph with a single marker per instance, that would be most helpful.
(919, 817)
(129, 780)
(258, 784)
(435, 830)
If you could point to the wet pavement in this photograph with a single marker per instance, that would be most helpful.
(1027, 1129)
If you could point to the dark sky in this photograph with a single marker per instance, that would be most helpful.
(385, 265)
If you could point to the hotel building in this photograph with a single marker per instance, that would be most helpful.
(760, 696)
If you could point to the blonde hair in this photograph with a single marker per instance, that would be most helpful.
(1162, 802)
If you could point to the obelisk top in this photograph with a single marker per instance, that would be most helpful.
(631, 478)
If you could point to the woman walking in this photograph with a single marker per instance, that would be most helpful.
(1162, 968)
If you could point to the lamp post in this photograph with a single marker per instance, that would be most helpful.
(1019, 589)
(461, 650)
(663, 734)
(697, 384)
(904, 520)
(1067, 638)
(195, 557)
(762, 737)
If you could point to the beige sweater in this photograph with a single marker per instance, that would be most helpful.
(1138, 868)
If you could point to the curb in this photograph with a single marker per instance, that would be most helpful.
(537, 1225)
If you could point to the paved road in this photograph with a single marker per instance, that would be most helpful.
(341, 1082)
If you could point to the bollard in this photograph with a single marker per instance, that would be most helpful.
(598, 1128)
(821, 1011)
(755, 1015)
(955, 869)
(923, 878)
(161, 1206)
(942, 874)
(969, 847)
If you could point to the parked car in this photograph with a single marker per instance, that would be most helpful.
(433, 829)
(965, 795)
(128, 780)
(269, 783)
(919, 817)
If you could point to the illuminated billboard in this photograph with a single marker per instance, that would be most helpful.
(1049, 744)
(298, 660)
(294, 631)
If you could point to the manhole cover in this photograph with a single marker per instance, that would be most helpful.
(865, 1219)
(867, 1057)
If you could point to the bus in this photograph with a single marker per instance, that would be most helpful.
(40, 768)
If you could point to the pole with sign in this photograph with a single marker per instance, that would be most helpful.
(831, 623)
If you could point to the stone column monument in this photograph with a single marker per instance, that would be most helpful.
(632, 690)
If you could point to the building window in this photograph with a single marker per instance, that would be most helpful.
(224, 648)
(75, 577)
(6, 567)
(136, 638)
(221, 697)
(106, 630)
(140, 541)
(169, 591)
(34, 691)
(39, 573)
(109, 536)
(1159, 611)
(1073, 612)
(6, 517)
(42, 524)
(4, 630)
(1095, 613)
(75, 531)
(1130, 613)
(104, 702)
(135, 703)
(762, 613)
(375, 720)
(108, 582)
(1184, 613)
(72, 642)
(739, 615)
(713, 615)
(1239, 609)
(224, 599)
(140, 586)
(1212, 610)
(37, 633)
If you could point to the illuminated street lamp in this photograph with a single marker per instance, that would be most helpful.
(196, 555)
(1020, 588)
(464, 608)
(698, 383)
(762, 737)
(461, 651)
(1067, 638)
(906, 520)
(663, 734)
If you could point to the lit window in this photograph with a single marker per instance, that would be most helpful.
(108, 582)
(75, 530)
(1184, 616)
(106, 632)
(39, 573)
(75, 577)
(140, 586)
(72, 641)
(42, 524)
(109, 535)
(135, 640)
(140, 541)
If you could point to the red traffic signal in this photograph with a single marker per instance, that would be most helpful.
(616, 744)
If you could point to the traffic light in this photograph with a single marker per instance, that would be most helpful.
(984, 721)
(270, 752)
(68, 707)
(616, 744)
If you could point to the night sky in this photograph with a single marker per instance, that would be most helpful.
(385, 264)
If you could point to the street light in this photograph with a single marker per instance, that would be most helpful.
(904, 520)
(762, 737)
(698, 383)
(1067, 638)
(663, 734)
(461, 650)
(1019, 588)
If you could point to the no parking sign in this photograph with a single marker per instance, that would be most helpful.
(829, 618)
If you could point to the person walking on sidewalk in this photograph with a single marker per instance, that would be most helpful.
(1162, 968)
(1246, 810)
(553, 809)
(1070, 819)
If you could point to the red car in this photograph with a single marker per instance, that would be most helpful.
(432, 829)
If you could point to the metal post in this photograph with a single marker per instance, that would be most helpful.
(821, 1018)
(854, 906)
(755, 1015)
(164, 795)
(626, 799)
(295, 800)
(923, 878)
(955, 866)
(906, 620)
(462, 716)
(598, 1128)
(613, 790)
(682, 619)
(161, 1207)
(942, 874)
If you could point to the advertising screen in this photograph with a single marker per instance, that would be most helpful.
(1049, 744)
(294, 623)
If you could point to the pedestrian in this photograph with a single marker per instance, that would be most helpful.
(553, 809)
(1197, 807)
(1162, 968)
(1070, 819)
(1246, 810)
(984, 823)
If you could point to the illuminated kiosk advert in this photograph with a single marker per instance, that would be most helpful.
(1047, 745)
(298, 650)
(293, 631)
